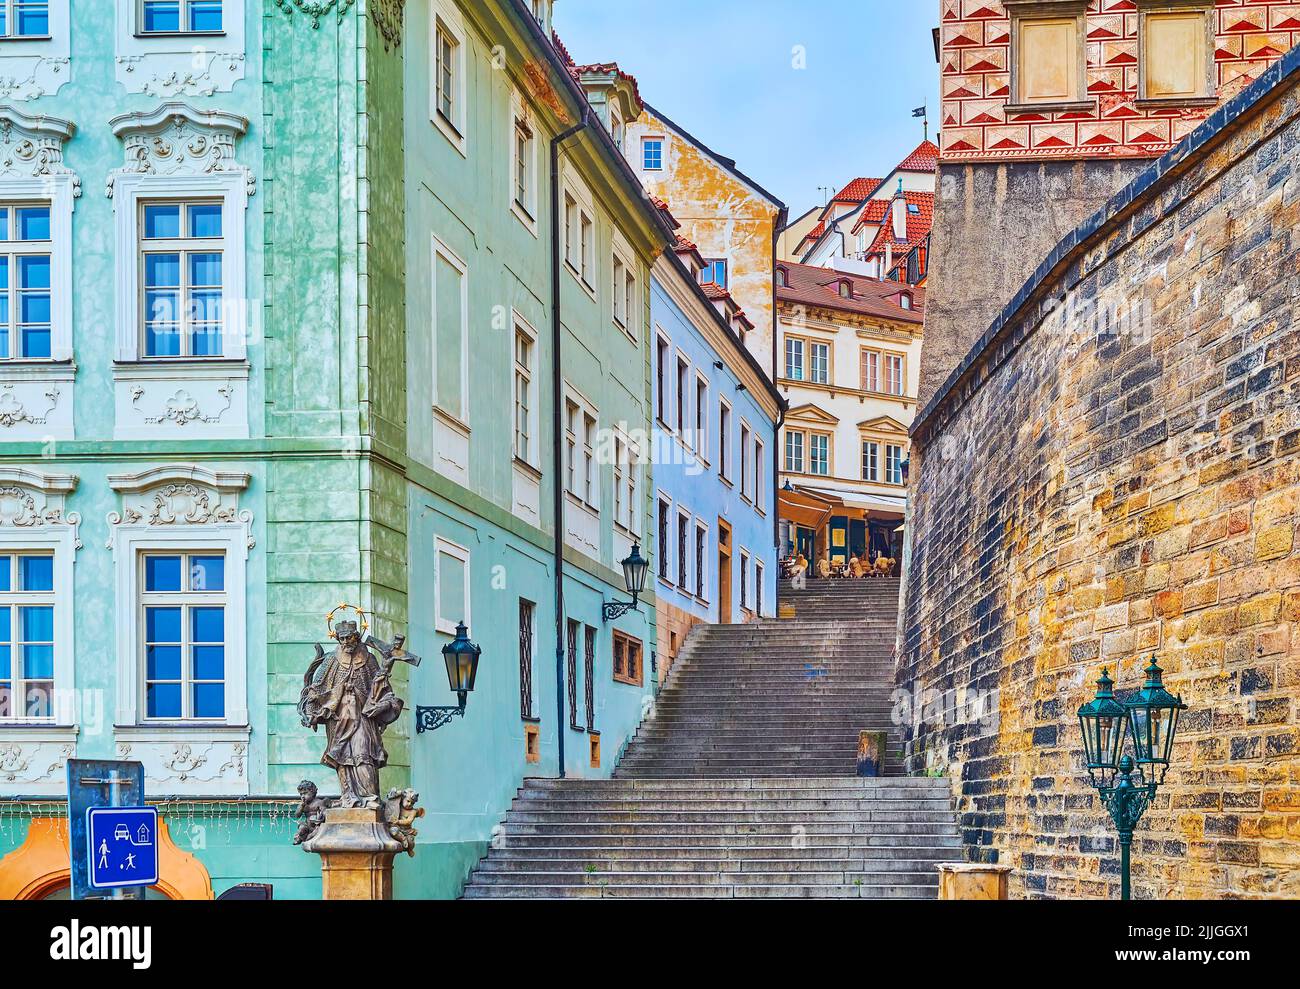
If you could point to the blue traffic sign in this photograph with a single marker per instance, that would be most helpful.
(122, 845)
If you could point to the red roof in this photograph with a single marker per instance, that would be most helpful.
(919, 224)
(924, 159)
(857, 190)
(811, 286)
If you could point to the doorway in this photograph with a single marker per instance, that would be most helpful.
(724, 572)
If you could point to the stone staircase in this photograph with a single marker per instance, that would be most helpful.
(743, 784)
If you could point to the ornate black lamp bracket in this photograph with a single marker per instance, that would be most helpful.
(1126, 805)
(612, 611)
(433, 718)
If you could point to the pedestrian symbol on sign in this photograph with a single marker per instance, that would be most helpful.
(122, 847)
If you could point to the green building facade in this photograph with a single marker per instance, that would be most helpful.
(289, 342)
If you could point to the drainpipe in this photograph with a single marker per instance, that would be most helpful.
(557, 424)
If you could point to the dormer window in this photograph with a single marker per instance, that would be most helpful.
(616, 127)
(846, 290)
(715, 272)
(24, 19)
(905, 300)
(782, 278)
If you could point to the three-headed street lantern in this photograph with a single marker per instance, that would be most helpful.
(1153, 721)
(1103, 722)
(635, 568)
(461, 657)
(1150, 719)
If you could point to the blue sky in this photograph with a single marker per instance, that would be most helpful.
(722, 69)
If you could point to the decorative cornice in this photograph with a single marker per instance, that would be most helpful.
(32, 146)
(174, 115)
(50, 484)
(175, 138)
(178, 474)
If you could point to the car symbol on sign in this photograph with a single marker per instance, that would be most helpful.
(120, 833)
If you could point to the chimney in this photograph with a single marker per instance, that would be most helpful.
(900, 213)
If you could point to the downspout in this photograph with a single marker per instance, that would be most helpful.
(778, 457)
(557, 425)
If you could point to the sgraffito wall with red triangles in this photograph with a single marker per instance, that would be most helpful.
(975, 82)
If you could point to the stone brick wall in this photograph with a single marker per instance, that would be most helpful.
(1112, 473)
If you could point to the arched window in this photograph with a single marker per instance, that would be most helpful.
(905, 300)
(782, 278)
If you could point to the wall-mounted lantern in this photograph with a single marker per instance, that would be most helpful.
(461, 656)
(635, 568)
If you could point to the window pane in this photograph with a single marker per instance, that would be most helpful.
(162, 624)
(205, 269)
(162, 270)
(209, 700)
(162, 573)
(162, 15)
(37, 623)
(33, 222)
(33, 19)
(209, 662)
(162, 221)
(205, 221)
(5, 564)
(207, 624)
(34, 271)
(38, 662)
(163, 340)
(6, 666)
(207, 573)
(35, 307)
(163, 700)
(163, 663)
(35, 573)
(205, 15)
(39, 700)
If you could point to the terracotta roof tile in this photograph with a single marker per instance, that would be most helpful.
(812, 286)
(924, 159)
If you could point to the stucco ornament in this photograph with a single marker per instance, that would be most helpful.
(387, 18)
(315, 10)
(350, 692)
(32, 147)
(176, 139)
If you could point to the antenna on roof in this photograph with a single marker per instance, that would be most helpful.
(826, 191)
(920, 111)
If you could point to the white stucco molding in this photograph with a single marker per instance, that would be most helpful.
(166, 65)
(34, 67)
(182, 508)
(177, 139)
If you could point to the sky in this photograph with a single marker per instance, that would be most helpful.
(725, 71)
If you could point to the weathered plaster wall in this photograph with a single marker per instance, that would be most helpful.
(994, 222)
(1093, 491)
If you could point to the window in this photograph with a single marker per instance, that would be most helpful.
(579, 240)
(626, 466)
(580, 446)
(26, 18)
(587, 233)
(744, 579)
(819, 355)
(893, 464)
(894, 374)
(524, 170)
(448, 80)
(661, 380)
(616, 127)
(819, 454)
(182, 260)
(619, 293)
(794, 358)
(744, 461)
(451, 586)
(701, 417)
(870, 460)
(631, 302)
(652, 154)
(758, 589)
(870, 360)
(173, 16)
(527, 609)
(782, 278)
(905, 299)
(183, 609)
(701, 557)
(25, 282)
(724, 441)
(683, 371)
(27, 636)
(683, 557)
(450, 332)
(664, 508)
(758, 473)
(525, 394)
(1177, 48)
(1047, 53)
(715, 272)
(627, 660)
(570, 230)
(794, 444)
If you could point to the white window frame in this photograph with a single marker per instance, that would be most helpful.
(531, 456)
(623, 295)
(525, 212)
(746, 451)
(183, 5)
(666, 361)
(894, 385)
(830, 464)
(702, 407)
(724, 440)
(813, 346)
(760, 474)
(795, 348)
(61, 543)
(684, 528)
(57, 192)
(445, 547)
(745, 559)
(648, 139)
(578, 227)
(585, 489)
(896, 471)
(130, 192)
(663, 539)
(440, 249)
(796, 466)
(875, 463)
(447, 17)
(701, 560)
(759, 574)
(627, 484)
(681, 394)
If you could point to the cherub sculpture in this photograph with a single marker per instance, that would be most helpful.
(311, 809)
(401, 814)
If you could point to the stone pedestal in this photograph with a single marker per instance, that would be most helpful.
(356, 854)
(871, 753)
(972, 881)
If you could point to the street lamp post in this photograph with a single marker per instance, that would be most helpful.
(1127, 786)
(461, 656)
(635, 568)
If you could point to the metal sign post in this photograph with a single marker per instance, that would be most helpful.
(106, 813)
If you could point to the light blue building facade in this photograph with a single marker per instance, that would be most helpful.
(716, 415)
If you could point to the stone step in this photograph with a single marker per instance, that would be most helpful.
(662, 877)
(828, 842)
(787, 891)
(736, 817)
(833, 784)
(680, 805)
